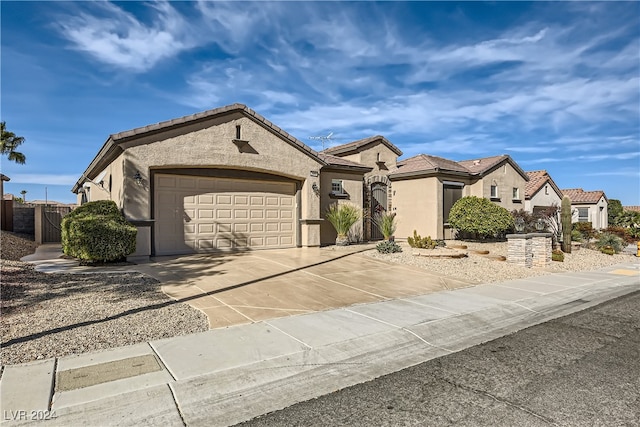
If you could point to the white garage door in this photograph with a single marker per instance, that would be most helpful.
(202, 214)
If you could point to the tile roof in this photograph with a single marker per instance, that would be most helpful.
(479, 166)
(424, 162)
(339, 161)
(631, 208)
(355, 145)
(485, 164)
(578, 195)
(537, 179)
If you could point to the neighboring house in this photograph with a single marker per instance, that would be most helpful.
(631, 208)
(541, 192)
(422, 189)
(381, 156)
(589, 206)
(226, 178)
(426, 187)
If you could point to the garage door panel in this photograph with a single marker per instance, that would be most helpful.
(203, 214)
(241, 213)
(224, 213)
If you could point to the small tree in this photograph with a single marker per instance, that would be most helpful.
(614, 211)
(480, 217)
(24, 195)
(386, 223)
(9, 142)
(343, 216)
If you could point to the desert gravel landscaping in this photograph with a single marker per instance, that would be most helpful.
(479, 268)
(53, 315)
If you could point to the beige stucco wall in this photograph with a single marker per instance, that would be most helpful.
(543, 198)
(598, 213)
(352, 184)
(506, 177)
(113, 172)
(417, 204)
(211, 145)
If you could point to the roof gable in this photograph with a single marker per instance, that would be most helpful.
(356, 146)
(537, 180)
(118, 142)
(484, 165)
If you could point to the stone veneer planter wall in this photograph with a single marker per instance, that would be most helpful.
(529, 250)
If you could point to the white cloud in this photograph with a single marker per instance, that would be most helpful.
(118, 38)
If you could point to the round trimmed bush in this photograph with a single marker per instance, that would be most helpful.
(97, 231)
(480, 217)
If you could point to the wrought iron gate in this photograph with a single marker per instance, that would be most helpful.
(378, 206)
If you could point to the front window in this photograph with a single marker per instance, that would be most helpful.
(583, 214)
(494, 191)
(516, 193)
(336, 186)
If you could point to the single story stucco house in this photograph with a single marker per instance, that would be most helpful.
(589, 206)
(228, 178)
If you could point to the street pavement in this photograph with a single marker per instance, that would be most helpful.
(578, 370)
(229, 375)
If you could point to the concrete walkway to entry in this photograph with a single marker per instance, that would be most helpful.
(228, 375)
(246, 287)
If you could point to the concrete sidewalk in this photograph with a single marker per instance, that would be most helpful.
(225, 376)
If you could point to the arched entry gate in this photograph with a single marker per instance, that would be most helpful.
(378, 206)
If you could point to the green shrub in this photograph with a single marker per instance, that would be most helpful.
(386, 224)
(97, 231)
(343, 216)
(576, 236)
(480, 217)
(608, 250)
(421, 242)
(586, 229)
(624, 233)
(557, 255)
(608, 242)
(388, 247)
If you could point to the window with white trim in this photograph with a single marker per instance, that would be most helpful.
(494, 191)
(336, 186)
(516, 193)
(583, 214)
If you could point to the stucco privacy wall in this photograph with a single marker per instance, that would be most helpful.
(416, 204)
(506, 178)
(352, 185)
(210, 144)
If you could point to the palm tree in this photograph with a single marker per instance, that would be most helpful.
(8, 144)
(24, 196)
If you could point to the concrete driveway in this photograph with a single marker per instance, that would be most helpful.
(251, 286)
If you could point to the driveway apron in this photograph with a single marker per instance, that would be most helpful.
(245, 287)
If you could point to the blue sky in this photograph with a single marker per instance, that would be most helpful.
(555, 85)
